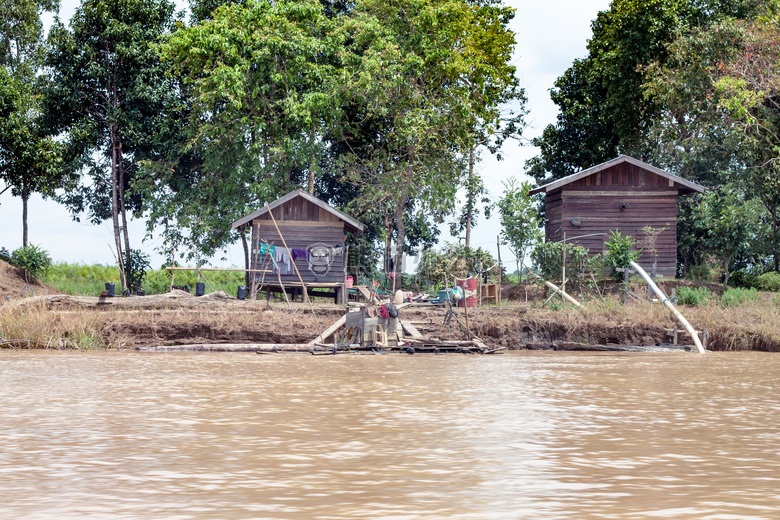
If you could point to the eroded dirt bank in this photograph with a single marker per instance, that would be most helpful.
(513, 327)
(177, 318)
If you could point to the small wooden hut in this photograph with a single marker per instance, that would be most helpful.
(623, 194)
(314, 232)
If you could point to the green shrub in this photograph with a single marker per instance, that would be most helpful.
(702, 273)
(738, 296)
(34, 260)
(136, 265)
(437, 268)
(548, 257)
(5, 256)
(618, 253)
(693, 296)
(769, 281)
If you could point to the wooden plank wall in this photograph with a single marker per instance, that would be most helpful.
(624, 198)
(301, 235)
(554, 215)
(300, 209)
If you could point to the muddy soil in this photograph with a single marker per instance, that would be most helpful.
(508, 326)
(13, 284)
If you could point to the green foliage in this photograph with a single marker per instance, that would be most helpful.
(33, 259)
(136, 265)
(90, 280)
(693, 296)
(519, 220)
(769, 281)
(5, 255)
(703, 273)
(437, 268)
(738, 296)
(81, 279)
(109, 98)
(604, 107)
(619, 253)
(548, 258)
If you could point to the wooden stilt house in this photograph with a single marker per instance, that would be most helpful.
(314, 232)
(623, 194)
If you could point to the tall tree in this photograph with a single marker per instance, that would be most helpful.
(260, 88)
(520, 225)
(419, 67)
(604, 110)
(28, 157)
(717, 124)
(107, 92)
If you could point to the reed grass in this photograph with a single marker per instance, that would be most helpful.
(33, 326)
(748, 323)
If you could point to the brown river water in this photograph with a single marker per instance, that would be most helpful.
(526, 435)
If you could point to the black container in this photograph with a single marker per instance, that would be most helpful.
(241, 292)
(110, 287)
(140, 293)
(200, 289)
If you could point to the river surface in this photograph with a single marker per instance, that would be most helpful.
(536, 435)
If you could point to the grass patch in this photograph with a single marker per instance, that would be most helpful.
(738, 296)
(32, 326)
(693, 296)
(90, 280)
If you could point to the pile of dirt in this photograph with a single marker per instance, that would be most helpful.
(13, 284)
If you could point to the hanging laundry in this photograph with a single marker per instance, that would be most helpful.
(283, 261)
(300, 253)
(265, 249)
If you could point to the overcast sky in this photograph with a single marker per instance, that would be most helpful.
(549, 36)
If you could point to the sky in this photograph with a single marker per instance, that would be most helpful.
(550, 35)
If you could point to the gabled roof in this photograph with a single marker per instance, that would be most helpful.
(352, 224)
(686, 186)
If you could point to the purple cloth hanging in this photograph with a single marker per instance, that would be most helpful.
(300, 253)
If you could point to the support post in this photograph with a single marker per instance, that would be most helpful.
(501, 271)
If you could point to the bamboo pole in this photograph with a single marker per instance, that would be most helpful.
(305, 289)
(559, 290)
(666, 301)
(563, 266)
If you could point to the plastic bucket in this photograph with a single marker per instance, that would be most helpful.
(241, 293)
(469, 286)
(350, 281)
(110, 287)
(200, 288)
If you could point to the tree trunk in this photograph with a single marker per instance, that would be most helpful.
(470, 197)
(312, 135)
(388, 244)
(25, 198)
(400, 236)
(776, 239)
(122, 210)
(115, 203)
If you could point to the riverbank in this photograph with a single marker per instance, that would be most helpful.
(752, 325)
(526, 321)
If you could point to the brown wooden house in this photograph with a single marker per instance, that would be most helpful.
(315, 233)
(623, 194)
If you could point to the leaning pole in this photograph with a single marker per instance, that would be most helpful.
(666, 301)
